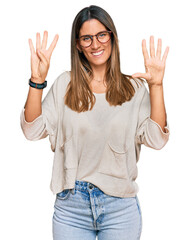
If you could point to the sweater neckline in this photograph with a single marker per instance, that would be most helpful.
(99, 93)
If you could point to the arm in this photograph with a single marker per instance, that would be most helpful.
(155, 68)
(149, 132)
(40, 61)
(44, 122)
(32, 106)
(158, 112)
(35, 114)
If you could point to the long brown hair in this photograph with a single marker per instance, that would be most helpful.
(119, 87)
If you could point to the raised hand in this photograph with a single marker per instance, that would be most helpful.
(154, 64)
(40, 59)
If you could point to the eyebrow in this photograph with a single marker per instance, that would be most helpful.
(93, 34)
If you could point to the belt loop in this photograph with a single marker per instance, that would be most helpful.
(73, 191)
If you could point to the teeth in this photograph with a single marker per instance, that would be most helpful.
(98, 53)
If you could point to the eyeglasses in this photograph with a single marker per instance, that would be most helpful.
(102, 37)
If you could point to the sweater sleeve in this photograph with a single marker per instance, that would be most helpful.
(148, 131)
(46, 123)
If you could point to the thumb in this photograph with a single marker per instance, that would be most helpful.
(42, 57)
(139, 75)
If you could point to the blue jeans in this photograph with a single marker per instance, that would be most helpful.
(84, 212)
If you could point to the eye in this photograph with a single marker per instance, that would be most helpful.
(85, 38)
(102, 34)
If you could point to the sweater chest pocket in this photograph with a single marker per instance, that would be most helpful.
(114, 160)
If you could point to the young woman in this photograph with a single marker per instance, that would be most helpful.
(96, 118)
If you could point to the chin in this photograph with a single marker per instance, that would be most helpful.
(99, 63)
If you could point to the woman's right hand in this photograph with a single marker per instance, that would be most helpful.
(40, 59)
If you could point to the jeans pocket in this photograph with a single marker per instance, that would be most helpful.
(63, 195)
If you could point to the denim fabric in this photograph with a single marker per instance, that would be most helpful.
(87, 213)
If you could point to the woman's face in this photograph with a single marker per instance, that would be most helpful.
(92, 27)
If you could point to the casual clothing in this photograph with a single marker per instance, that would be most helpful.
(101, 146)
(88, 212)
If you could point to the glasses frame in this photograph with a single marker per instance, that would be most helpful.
(91, 37)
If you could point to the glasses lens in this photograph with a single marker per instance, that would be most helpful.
(103, 37)
(85, 41)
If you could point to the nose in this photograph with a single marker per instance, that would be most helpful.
(95, 43)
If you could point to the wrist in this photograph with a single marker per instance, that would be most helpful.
(37, 80)
(155, 86)
(37, 85)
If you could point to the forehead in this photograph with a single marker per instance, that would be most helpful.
(92, 26)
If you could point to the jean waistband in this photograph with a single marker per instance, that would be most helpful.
(84, 186)
(88, 187)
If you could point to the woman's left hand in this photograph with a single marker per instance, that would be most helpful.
(154, 65)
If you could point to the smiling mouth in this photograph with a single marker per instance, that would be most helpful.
(98, 53)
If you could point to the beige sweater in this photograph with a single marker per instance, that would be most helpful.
(101, 146)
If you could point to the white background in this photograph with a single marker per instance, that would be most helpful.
(26, 206)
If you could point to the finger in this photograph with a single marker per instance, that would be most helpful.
(32, 50)
(144, 50)
(53, 44)
(44, 41)
(159, 48)
(152, 49)
(165, 55)
(38, 41)
(42, 57)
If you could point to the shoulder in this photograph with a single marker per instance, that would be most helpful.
(140, 86)
(63, 78)
(136, 82)
(61, 81)
(58, 87)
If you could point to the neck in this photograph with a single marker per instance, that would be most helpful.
(99, 72)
